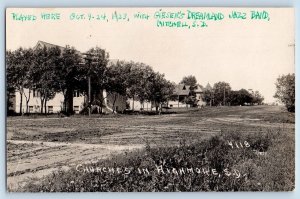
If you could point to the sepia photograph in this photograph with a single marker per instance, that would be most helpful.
(150, 99)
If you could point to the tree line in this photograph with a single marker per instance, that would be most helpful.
(221, 94)
(49, 70)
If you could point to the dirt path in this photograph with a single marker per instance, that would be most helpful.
(37, 159)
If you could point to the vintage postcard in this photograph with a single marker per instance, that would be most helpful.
(150, 99)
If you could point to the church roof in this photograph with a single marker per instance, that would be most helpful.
(181, 89)
(208, 87)
(42, 44)
(198, 88)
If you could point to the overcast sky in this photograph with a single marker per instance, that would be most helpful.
(245, 53)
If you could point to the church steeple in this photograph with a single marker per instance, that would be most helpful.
(208, 87)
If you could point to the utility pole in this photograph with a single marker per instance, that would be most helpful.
(89, 98)
(224, 96)
(88, 59)
(293, 46)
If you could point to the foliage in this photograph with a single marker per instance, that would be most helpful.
(221, 93)
(257, 98)
(191, 100)
(139, 82)
(117, 76)
(145, 77)
(138, 77)
(160, 89)
(50, 70)
(208, 96)
(18, 71)
(240, 97)
(95, 67)
(285, 91)
(44, 79)
(69, 76)
(189, 80)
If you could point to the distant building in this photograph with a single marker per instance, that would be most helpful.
(182, 91)
(208, 87)
(138, 106)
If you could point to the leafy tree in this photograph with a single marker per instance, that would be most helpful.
(19, 74)
(45, 61)
(160, 89)
(285, 91)
(208, 96)
(145, 76)
(257, 98)
(135, 76)
(117, 80)
(130, 78)
(138, 77)
(95, 67)
(191, 100)
(221, 93)
(189, 80)
(240, 97)
(69, 76)
(140, 82)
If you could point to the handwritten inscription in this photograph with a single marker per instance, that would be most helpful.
(23, 17)
(188, 18)
(245, 144)
(141, 16)
(238, 145)
(264, 15)
(205, 15)
(50, 16)
(160, 170)
(117, 16)
(238, 15)
(77, 16)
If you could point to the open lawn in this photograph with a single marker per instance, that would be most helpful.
(42, 146)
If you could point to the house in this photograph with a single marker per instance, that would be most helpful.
(55, 105)
(138, 106)
(182, 91)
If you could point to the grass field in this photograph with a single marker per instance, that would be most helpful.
(256, 144)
